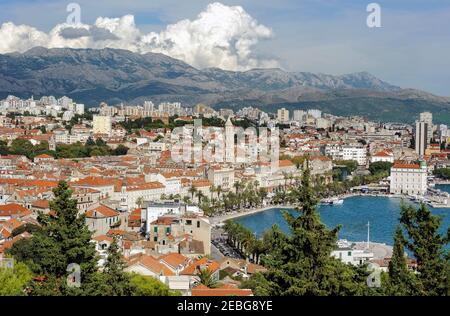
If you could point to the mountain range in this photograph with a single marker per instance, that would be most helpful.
(114, 76)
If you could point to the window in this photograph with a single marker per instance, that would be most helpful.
(155, 239)
(155, 229)
(188, 222)
(167, 230)
(349, 253)
(198, 224)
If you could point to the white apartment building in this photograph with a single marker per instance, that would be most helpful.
(171, 181)
(409, 179)
(152, 211)
(299, 115)
(102, 124)
(130, 195)
(315, 113)
(353, 256)
(79, 108)
(283, 115)
(347, 152)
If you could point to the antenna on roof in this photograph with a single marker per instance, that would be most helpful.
(368, 235)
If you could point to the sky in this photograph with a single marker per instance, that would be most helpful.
(411, 49)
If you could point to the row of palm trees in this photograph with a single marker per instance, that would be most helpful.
(245, 194)
(243, 240)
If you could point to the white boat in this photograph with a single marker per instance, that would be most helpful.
(332, 201)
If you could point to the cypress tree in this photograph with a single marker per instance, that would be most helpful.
(428, 247)
(400, 278)
(117, 281)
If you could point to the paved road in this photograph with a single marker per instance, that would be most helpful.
(215, 253)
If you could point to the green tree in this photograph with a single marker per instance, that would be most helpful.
(117, 281)
(443, 173)
(149, 286)
(400, 278)
(21, 147)
(428, 247)
(4, 150)
(90, 142)
(14, 280)
(301, 263)
(351, 165)
(380, 167)
(121, 150)
(205, 277)
(64, 239)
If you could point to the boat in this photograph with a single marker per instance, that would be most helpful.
(332, 201)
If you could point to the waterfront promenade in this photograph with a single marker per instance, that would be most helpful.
(246, 212)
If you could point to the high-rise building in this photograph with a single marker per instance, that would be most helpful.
(299, 115)
(102, 124)
(283, 115)
(229, 141)
(427, 117)
(315, 113)
(421, 135)
(79, 109)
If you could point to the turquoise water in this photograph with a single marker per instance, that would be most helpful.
(353, 215)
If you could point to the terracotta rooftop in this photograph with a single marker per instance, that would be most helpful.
(101, 211)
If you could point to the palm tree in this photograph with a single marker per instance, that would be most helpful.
(186, 199)
(285, 176)
(231, 228)
(262, 193)
(140, 201)
(237, 185)
(200, 196)
(192, 190)
(248, 241)
(219, 191)
(212, 190)
(205, 277)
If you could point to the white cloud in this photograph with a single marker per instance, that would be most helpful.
(221, 36)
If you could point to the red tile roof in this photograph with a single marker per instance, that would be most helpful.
(204, 262)
(14, 209)
(152, 264)
(406, 166)
(101, 211)
(175, 259)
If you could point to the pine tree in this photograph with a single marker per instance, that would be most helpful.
(400, 278)
(117, 281)
(302, 264)
(428, 247)
(64, 239)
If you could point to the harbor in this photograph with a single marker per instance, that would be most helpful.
(382, 212)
